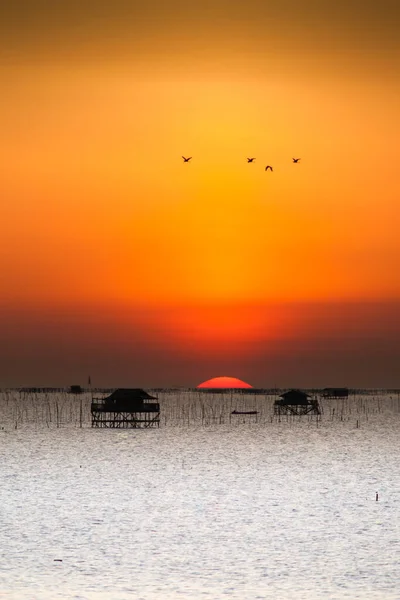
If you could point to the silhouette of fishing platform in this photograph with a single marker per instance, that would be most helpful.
(126, 409)
(335, 393)
(296, 402)
(75, 389)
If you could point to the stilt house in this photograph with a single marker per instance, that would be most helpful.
(296, 402)
(126, 408)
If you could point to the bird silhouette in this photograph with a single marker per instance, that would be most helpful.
(186, 159)
(296, 160)
(249, 160)
(268, 167)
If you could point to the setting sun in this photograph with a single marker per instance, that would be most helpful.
(224, 382)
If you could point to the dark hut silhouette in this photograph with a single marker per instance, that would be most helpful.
(335, 393)
(296, 402)
(126, 408)
(75, 389)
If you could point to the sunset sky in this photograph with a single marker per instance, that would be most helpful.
(120, 261)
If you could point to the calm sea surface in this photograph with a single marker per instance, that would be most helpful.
(200, 509)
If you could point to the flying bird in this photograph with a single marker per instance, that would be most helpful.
(186, 159)
(296, 160)
(249, 160)
(268, 167)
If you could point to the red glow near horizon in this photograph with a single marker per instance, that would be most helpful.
(224, 382)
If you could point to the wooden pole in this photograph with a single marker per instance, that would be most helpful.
(91, 396)
(80, 411)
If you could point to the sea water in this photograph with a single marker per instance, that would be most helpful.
(245, 510)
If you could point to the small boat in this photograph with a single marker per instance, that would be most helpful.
(244, 412)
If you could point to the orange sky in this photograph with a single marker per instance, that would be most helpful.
(213, 258)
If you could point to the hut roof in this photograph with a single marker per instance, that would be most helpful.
(295, 395)
(129, 394)
(297, 392)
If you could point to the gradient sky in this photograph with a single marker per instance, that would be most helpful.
(119, 261)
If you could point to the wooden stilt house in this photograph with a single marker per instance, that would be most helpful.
(126, 408)
(296, 402)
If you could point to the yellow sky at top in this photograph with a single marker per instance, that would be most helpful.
(98, 205)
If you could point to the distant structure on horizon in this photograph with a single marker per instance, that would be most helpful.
(335, 393)
(225, 383)
(75, 389)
